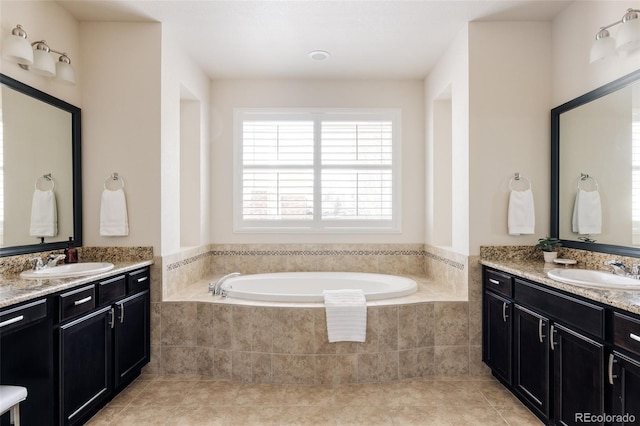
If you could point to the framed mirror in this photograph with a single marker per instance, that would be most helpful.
(595, 169)
(40, 170)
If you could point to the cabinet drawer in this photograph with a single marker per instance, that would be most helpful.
(15, 318)
(77, 302)
(626, 333)
(498, 282)
(112, 289)
(578, 314)
(138, 281)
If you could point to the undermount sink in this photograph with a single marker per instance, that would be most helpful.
(68, 270)
(595, 279)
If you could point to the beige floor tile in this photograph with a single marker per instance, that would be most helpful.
(497, 395)
(213, 393)
(306, 416)
(254, 416)
(204, 415)
(105, 416)
(420, 416)
(195, 400)
(125, 397)
(269, 395)
(164, 393)
(475, 416)
(309, 395)
(363, 415)
(142, 416)
(519, 416)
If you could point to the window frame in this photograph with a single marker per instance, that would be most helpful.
(317, 224)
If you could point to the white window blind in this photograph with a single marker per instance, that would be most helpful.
(316, 171)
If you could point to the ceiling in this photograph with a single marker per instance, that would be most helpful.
(272, 38)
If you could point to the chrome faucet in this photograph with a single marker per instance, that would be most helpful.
(54, 259)
(617, 266)
(217, 290)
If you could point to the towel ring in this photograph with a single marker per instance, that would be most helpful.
(518, 177)
(46, 178)
(113, 176)
(584, 177)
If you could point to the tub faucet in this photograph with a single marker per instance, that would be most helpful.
(216, 289)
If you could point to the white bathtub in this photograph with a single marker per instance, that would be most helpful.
(308, 286)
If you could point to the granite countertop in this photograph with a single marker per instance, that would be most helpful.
(14, 289)
(535, 270)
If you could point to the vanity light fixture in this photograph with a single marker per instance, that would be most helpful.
(36, 57)
(627, 37)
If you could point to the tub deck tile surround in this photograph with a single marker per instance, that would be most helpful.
(419, 335)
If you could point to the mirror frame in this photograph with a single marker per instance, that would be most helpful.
(75, 161)
(615, 85)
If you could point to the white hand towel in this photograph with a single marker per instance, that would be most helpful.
(587, 213)
(521, 218)
(44, 214)
(113, 214)
(346, 315)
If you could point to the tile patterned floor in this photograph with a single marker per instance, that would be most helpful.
(190, 400)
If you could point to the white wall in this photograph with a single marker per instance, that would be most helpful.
(509, 98)
(450, 74)
(573, 32)
(407, 95)
(121, 128)
(182, 79)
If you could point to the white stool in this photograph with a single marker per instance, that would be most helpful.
(10, 399)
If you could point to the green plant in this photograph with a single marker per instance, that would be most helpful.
(548, 244)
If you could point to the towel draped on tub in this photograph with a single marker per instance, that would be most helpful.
(346, 312)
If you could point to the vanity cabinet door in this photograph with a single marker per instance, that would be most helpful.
(624, 377)
(578, 379)
(531, 358)
(85, 365)
(497, 335)
(26, 344)
(131, 337)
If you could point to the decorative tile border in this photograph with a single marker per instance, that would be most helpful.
(321, 252)
(448, 262)
(185, 262)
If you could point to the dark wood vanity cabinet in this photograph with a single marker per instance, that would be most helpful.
(103, 350)
(623, 369)
(531, 361)
(557, 347)
(26, 345)
(131, 338)
(85, 346)
(578, 376)
(497, 336)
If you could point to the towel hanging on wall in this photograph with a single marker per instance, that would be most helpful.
(521, 218)
(113, 211)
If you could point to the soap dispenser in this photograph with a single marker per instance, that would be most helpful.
(71, 253)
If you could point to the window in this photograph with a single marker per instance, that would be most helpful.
(317, 170)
